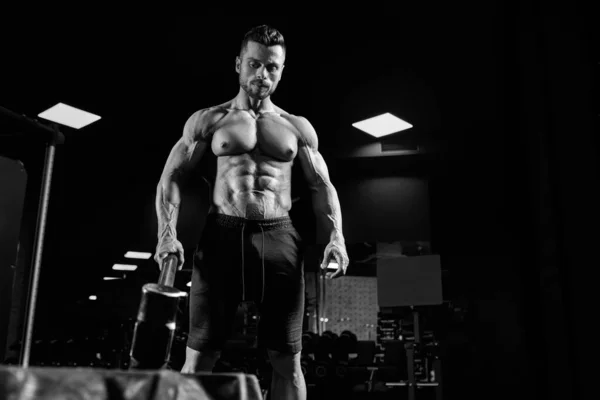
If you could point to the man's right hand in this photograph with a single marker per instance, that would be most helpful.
(169, 246)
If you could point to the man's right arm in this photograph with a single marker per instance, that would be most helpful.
(186, 153)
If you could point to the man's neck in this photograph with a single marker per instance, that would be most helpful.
(244, 102)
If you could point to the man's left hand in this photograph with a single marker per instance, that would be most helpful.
(335, 252)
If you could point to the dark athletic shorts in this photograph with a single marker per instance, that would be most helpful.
(247, 260)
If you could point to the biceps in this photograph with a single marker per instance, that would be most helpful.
(313, 166)
(183, 157)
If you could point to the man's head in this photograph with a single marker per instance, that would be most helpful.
(261, 61)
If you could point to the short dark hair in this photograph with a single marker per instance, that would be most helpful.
(265, 35)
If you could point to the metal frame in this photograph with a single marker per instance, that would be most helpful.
(52, 135)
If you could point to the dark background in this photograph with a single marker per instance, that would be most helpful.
(504, 103)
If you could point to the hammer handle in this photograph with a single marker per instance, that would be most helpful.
(169, 268)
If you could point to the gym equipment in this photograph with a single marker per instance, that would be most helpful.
(310, 342)
(101, 384)
(327, 346)
(346, 344)
(305, 365)
(156, 320)
(341, 371)
(13, 181)
(321, 369)
(407, 284)
(53, 137)
(365, 353)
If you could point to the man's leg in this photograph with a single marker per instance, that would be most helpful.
(288, 381)
(282, 310)
(214, 296)
(199, 361)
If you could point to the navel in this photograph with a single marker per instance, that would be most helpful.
(224, 145)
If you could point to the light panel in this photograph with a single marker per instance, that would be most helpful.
(124, 267)
(382, 125)
(92, 297)
(138, 255)
(70, 116)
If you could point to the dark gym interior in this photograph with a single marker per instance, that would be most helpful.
(487, 206)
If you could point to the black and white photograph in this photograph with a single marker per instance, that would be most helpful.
(394, 204)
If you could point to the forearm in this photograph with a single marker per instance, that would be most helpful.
(168, 201)
(327, 210)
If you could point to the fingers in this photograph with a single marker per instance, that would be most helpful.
(180, 256)
(325, 262)
(160, 259)
(342, 263)
(340, 260)
(336, 274)
(341, 270)
(165, 249)
(326, 258)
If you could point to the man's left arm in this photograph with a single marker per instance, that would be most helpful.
(326, 203)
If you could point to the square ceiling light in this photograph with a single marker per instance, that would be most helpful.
(124, 267)
(70, 116)
(382, 125)
(138, 255)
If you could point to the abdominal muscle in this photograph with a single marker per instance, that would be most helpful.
(244, 188)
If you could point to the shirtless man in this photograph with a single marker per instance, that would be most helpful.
(250, 250)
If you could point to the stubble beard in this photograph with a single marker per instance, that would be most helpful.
(246, 87)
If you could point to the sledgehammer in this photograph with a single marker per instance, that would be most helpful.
(156, 318)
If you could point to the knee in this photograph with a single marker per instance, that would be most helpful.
(286, 365)
(201, 361)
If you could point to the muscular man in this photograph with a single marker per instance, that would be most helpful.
(250, 250)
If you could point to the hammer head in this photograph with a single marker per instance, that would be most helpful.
(155, 326)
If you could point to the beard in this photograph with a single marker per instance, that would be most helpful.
(257, 92)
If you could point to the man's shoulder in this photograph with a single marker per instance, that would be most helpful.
(298, 121)
(305, 129)
(209, 115)
(199, 124)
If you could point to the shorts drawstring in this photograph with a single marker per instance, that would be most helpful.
(264, 225)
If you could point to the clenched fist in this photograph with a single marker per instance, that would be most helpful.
(168, 246)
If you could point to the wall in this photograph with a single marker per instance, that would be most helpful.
(384, 209)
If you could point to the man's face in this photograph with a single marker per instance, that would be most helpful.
(259, 69)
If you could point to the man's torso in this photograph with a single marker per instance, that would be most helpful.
(254, 155)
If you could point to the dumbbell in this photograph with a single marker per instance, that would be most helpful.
(341, 370)
(315, 369)
(321, 369)
(155, 326)
(306, 365)
(346, 344)
(310, 342)
(327, 345)
(348, 341)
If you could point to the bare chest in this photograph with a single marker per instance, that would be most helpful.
(241, 133)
